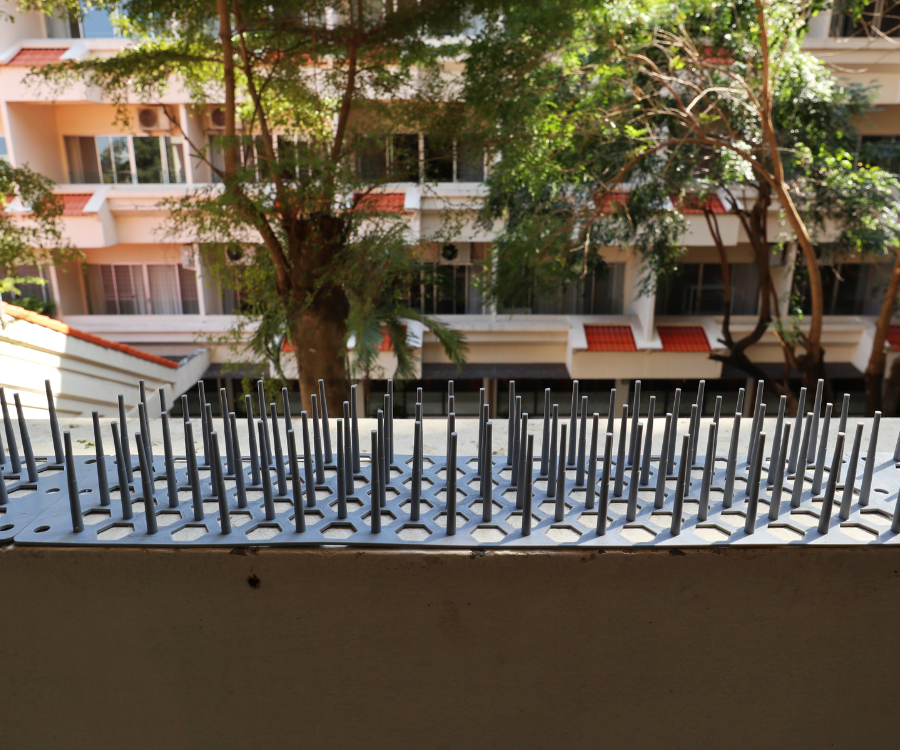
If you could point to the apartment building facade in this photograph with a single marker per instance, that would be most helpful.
(145, 287)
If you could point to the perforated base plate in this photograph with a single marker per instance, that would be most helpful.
(27, 500)
(178, 526)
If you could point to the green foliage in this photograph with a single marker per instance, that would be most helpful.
(662, 101)
(313, 98)
(31, 235)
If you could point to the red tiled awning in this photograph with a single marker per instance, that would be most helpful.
(609, 339)
(74, 203)
(37, 56)
(683, 338)
(382, 203)
(893, 337)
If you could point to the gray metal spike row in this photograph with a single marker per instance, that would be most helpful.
(648, 445)
(54, 425)
(573, 421)
(438, 497)
(15, 464)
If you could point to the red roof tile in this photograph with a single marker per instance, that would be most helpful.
(382, 202)
(691, 205)
(893, 337)
(54, 325)
(683, 338)
(74, 203)
(610, 339)
(35, 56)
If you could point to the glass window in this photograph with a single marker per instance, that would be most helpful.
(405, 157)
(97, 24)
(175, 158)
(880, 18)
(138, 289)
(470, 163)
(81, 154)
(190, 300)
(115, 161)
(165, 296)
(881, 151)
(438, 158)
(147, 159)
(4, 156)
(371, 159)
(699, 289)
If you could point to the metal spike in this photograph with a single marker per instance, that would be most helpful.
(759, 412)
(560, 493)
(144, 421)
(683, 471)
(268, 501)
(694, 434)
(709, 468)
(451, 485)
(828, 499)
(375, 504)
(169, 461)
(384, 470)
(850, 480)
(780, 464)
(326, 430)
(72, 482)
(102, 479)
(255, 478)
(582, 445)
(662, 469)
(798, 425)
(845, 410)
(124, 489)
(487, 483)
(676, 413)
(631, 513)
(731, 465)
(4, 495)
(800, 474)
(512, 423)
(415, 498)
(143, 394)
(193, 471)
(776, 441)
(635, 415)
(752, 477)
(520, 468)
(573, 424)
(226, 431)
(54, 425)
(817, 411)
(126, 451)
(526, 510)
(388, 440)
(215, 463)
(610, 414)
(482, 418)
(348, 451)
(648, 444)
(296, 484)
(15, 464)
(317, 441)
(551, 458)
(717, 415)
(286, 403)
(620, 456)
(30, 464)
(209, 427)
(866, 486)
(354, 433)
(823, 446)
(545, 437)
(204, 427)
(279, 453)
(451, 428)
(261, 399)
(603, 502)
(701, 397)
(341, 472)
(146, 481)
(308, 463)
(753, 496)
(591, 488)
(739, 406)
(185, 408)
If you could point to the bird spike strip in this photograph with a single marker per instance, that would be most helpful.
(297, 483)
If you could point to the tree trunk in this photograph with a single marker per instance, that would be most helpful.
(318, 310)
(875, 370)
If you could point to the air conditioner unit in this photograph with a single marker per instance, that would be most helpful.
(217, 118)
(153, 118)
